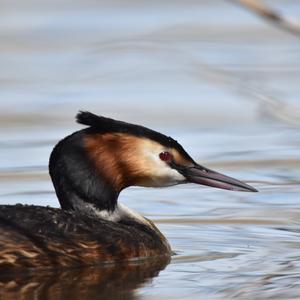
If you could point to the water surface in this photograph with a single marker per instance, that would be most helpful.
(219, 80)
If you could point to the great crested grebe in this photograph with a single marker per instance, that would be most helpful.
(89, 169)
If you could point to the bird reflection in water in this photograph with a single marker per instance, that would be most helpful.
(118, 281)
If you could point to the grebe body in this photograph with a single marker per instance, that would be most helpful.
(50, 237)
(89, 169)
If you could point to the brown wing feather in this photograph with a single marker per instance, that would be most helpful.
(48, 237)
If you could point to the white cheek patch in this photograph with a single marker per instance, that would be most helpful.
(159, 171)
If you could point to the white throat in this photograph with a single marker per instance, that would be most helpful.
(121, 212)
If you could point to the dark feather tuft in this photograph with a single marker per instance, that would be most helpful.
(88, 118)
(107, 125)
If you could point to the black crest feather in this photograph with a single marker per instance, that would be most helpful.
(106, 125)
(92, 120)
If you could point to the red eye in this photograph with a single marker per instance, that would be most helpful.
(165, 156)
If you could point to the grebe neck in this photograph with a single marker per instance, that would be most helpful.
(78, 184)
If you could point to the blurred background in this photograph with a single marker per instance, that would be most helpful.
(212, 74)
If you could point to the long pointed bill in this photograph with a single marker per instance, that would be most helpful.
(202, 175)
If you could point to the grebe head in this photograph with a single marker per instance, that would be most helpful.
(95, 164)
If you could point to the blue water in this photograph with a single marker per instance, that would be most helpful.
(220, 80)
